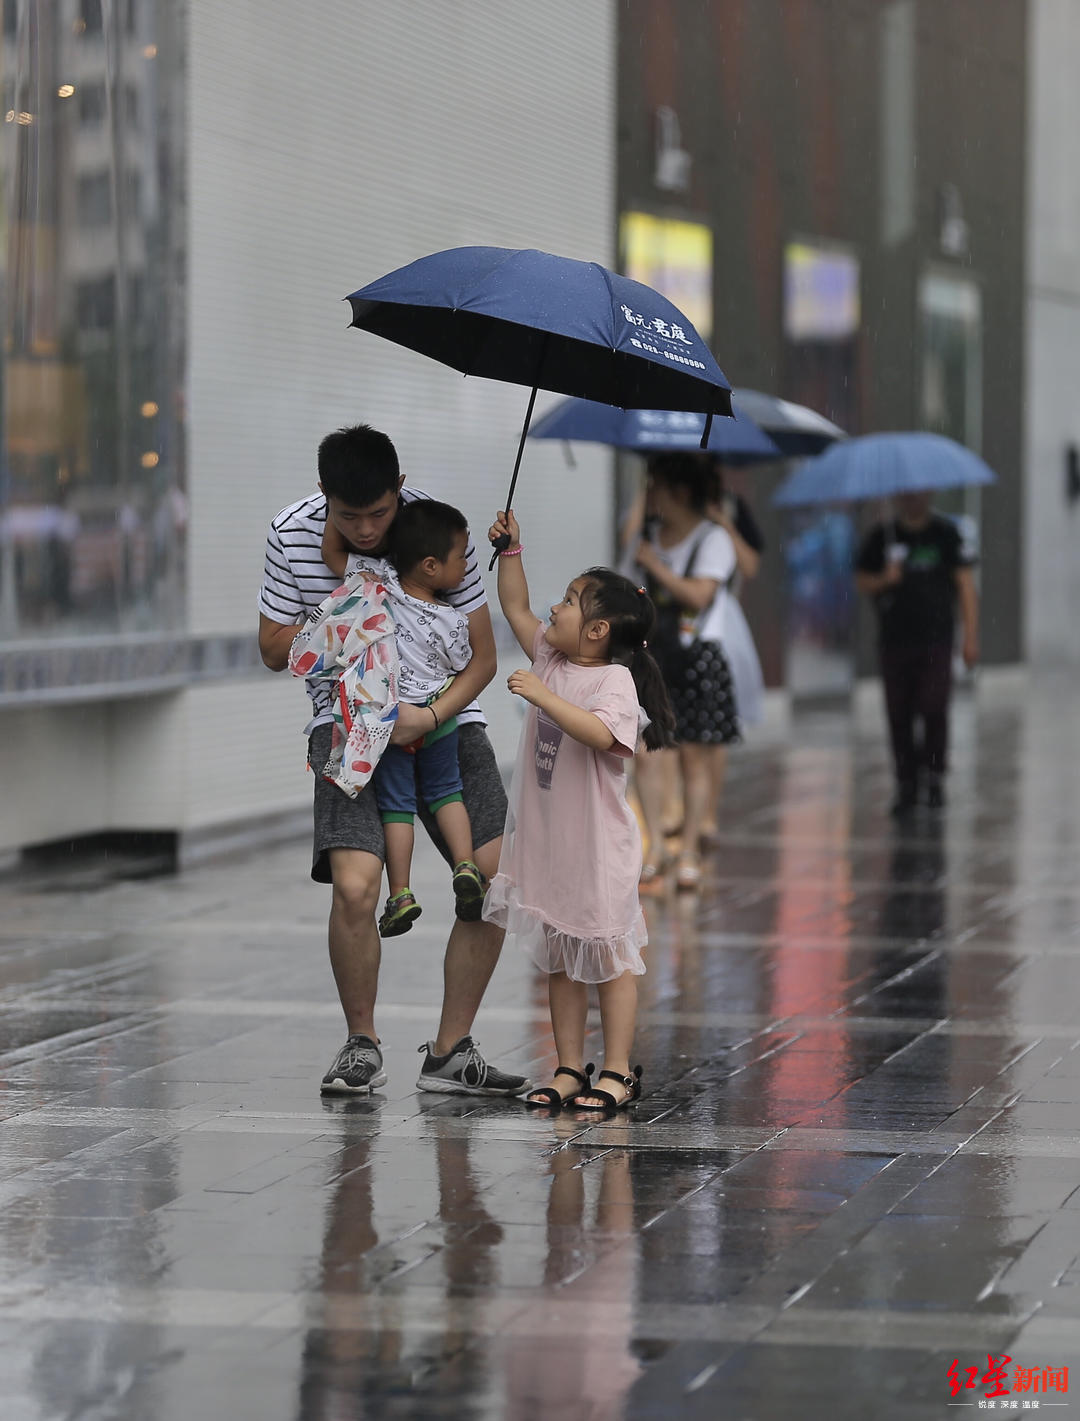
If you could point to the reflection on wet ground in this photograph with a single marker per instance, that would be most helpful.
(855, 1162)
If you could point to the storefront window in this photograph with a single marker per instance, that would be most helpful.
(950, 307)
(822, 313)
(92, 228)
(951, 310)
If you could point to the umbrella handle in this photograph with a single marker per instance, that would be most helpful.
(503, 540)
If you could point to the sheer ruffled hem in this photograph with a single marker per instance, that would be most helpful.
(583, 959)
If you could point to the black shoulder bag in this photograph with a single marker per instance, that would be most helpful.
(672, 657)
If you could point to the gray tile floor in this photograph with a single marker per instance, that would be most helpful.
(856, 1161)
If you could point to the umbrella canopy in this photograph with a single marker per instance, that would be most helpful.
(548, 322)
(797, 431)
(736, 441)
(539, 320)
(880, 465)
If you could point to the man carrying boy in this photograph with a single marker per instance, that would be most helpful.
(361, 490)
(427, 548)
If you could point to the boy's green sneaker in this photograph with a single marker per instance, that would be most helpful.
(469, 890)
(400, 913)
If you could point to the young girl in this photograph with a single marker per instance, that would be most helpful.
(568, 875)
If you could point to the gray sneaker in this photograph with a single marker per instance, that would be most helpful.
(463, 1071)
(357, 1069)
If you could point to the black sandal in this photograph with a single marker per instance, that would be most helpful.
(632, 1083)
(551, 1097)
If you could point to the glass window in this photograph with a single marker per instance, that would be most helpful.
(92, 103)
(94, 200)
(950, 309)
(822, 314)
(134, 192)
(92, 505)
(95, 303)
(91, 20)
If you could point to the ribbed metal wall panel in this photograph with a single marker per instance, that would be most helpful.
(1051, 335)
(330, 143)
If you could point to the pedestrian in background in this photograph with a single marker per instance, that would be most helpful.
(730, 511)
(915, 571)
(688, 562)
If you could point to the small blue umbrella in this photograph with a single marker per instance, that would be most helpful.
(548, 322)
(736, 441)
(881, 465)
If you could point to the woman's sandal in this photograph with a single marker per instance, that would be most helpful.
(653, 876)
(688, 873)
(550, 1097)
(632, 1083)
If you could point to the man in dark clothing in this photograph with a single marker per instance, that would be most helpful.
(915, 570)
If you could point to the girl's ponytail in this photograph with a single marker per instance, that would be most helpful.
(652, 696)
(631, 615)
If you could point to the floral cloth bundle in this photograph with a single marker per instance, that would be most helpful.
(350, 639)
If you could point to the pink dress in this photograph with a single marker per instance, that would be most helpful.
(571, 856)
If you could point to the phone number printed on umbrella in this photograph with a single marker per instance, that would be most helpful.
(667, 354)
(668, 420)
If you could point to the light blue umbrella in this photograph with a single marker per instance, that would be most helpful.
(736, 441)
(880, 466)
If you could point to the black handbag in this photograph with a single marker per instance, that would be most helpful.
(673, 658)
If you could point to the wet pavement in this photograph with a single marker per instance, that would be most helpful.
(856, 1161)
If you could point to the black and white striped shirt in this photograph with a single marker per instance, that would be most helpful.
(296, 580)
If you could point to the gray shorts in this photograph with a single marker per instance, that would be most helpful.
(344, 823)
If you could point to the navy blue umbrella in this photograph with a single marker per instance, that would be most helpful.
(735, 441)
(881, 465)
(549, 323)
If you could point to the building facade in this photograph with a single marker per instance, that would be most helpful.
(859, 168)
(190, 191)
(871, 205)
(1051, 576)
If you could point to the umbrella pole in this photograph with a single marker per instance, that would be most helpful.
(503, 541)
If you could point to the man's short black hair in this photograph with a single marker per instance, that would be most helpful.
(358, 465)
(423, 529)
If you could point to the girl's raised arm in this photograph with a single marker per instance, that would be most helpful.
(513, 589)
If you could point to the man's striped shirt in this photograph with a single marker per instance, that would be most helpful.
(296, 581)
